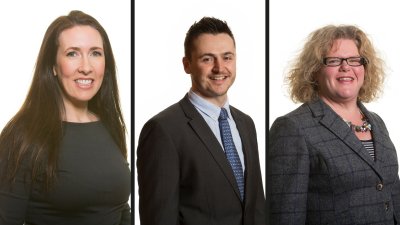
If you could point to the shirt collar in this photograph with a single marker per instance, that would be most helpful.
(207, 107)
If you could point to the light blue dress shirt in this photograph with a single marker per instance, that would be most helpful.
(210, 113)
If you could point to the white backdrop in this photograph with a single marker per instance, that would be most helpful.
(292, 21)
(160, 81)
(23, 25)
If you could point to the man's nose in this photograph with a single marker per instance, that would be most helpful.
(218, 66)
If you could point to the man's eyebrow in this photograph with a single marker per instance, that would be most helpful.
(207, 54)
(77, 48)
(213, 55)
(228, 53)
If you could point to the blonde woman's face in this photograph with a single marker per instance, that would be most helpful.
(341, 83)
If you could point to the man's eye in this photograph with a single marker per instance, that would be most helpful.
(72, 54)
(228, 58)
(207, 59)
(96, 53)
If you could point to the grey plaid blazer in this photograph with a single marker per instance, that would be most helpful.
(320, 173)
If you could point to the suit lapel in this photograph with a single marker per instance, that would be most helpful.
(335, 124)
(246, 147)
(203, 131)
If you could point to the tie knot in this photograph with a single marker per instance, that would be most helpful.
(223, 115)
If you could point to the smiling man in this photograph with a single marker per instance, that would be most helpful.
(198, 159)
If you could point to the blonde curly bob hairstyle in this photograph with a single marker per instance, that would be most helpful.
(302, 86)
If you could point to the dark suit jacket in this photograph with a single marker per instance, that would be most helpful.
(320, 173)
(184, 176)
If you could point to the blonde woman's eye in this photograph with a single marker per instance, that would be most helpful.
(333, 61)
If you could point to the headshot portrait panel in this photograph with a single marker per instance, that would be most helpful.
(311, 149)
(288, 35)
(160, 77)
(24, 35)
(24, 25)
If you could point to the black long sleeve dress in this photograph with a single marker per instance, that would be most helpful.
(93, 184)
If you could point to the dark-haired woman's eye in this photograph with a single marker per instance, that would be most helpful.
(96, 53)
(71, 54)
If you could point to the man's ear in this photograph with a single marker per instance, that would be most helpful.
(186, 65)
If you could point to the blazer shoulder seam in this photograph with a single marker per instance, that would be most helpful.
(166, 131)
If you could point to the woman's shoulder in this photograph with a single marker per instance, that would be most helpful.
(305, 116)
(290, 122)
(299, 114)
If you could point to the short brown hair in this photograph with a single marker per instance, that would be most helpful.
(207, 25)
(302, 86)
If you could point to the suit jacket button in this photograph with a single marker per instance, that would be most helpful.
(379, 187)
(387, 206)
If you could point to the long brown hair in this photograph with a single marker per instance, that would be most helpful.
(35, 133)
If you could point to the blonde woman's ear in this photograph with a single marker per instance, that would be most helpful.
(315, 76)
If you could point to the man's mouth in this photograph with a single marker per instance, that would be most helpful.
(217, 78)
(84, 82)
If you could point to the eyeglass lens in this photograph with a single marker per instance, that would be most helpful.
(336, 61)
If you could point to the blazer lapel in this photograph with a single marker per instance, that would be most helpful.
(248, 158)
(203, 131)
(377, 135)
(335, 124)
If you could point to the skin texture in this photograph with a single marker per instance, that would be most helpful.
(80, 55)
(213, 56)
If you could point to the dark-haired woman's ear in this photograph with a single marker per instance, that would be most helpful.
(54, 71)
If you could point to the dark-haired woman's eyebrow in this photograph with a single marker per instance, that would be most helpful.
(95, 48)
(73, 48)
(77, 48)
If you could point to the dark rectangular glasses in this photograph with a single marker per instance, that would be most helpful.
(351, 61)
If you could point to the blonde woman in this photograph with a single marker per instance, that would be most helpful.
(331, 159)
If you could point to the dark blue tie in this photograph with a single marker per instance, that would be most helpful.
(230, 150)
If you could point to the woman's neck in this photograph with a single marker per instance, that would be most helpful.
(78, 112)
(342, 108)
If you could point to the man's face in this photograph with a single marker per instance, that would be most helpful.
(212, 67)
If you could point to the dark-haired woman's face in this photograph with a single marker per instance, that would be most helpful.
(80, 63)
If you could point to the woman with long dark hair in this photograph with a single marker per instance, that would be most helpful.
(63, 156)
